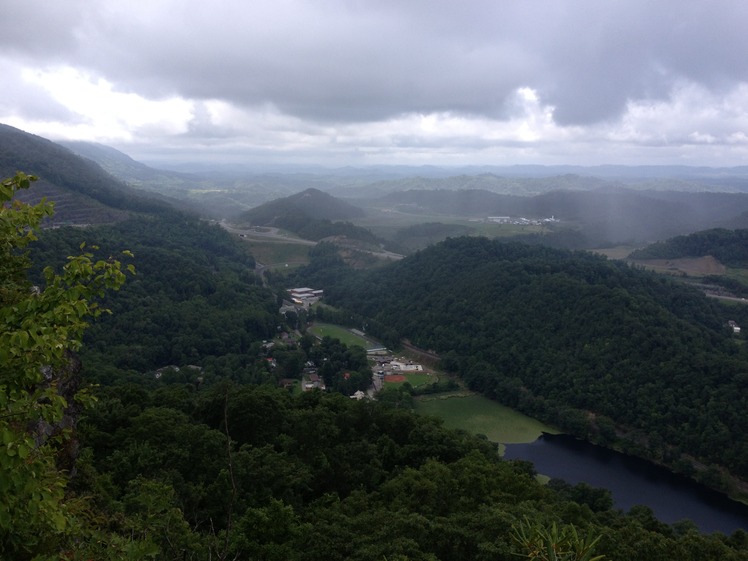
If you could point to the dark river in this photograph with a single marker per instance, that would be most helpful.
(632, 482)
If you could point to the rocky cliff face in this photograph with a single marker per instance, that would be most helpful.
(62, 434)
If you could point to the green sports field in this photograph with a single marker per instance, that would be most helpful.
(479, 415)
(341, 333)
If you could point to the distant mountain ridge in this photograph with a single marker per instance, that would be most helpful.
(636, 204)
(730, 247)
(117, 163)
(210, 192)
(393, 172)
(616, 215)
(82, 191)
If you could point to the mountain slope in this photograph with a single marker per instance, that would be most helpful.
(312, 215)
(82, 190)
(117, 163)
(730, 247)
(311, 203)
(215, 191)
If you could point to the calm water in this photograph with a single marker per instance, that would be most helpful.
(632, 482)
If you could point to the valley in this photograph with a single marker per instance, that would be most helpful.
(201, 357)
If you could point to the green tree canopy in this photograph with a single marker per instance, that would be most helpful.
(40, 328)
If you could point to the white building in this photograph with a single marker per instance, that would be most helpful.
(305, 296)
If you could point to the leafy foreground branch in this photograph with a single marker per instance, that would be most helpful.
(40, 329)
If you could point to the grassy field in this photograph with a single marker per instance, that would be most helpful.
(384, 223)
(342, 333)
(277, 255)
(740, 275)
(479, 415)
(617, 252)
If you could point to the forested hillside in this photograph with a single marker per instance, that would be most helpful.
(730, 247)
(311, 203)
(314, 215)
(195, 298)
(610, 353)
(254, 473)
(82, 192)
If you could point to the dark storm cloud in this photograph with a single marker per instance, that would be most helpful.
(328, 64)
(632, 51)
(369, 60)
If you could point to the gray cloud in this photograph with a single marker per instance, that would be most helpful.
(337, 62)
(40, 32)
(373, 61)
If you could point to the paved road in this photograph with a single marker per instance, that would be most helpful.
(728, 298)
(266, 235)
(273, 235)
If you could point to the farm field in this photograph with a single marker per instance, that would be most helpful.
(479, 415)
(740, 275)
(617, 252)
(277, 255)
(691, 266)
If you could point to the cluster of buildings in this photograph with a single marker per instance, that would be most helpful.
(388, 364)
(521, 221)
(313, 381)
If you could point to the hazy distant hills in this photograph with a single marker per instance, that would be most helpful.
(729, 247)
(523, 186)
(604, 216)
(734, 178)
(215, 192)
(640, 216)
(602, 204)
(119, 164)
(82, 191)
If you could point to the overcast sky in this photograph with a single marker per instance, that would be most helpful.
(356, 82)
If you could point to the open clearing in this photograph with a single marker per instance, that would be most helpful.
(479, 415)
(343, 334)
(620, 252)
(278, 255)
(691, 266)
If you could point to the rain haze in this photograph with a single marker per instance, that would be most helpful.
(381, 82)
